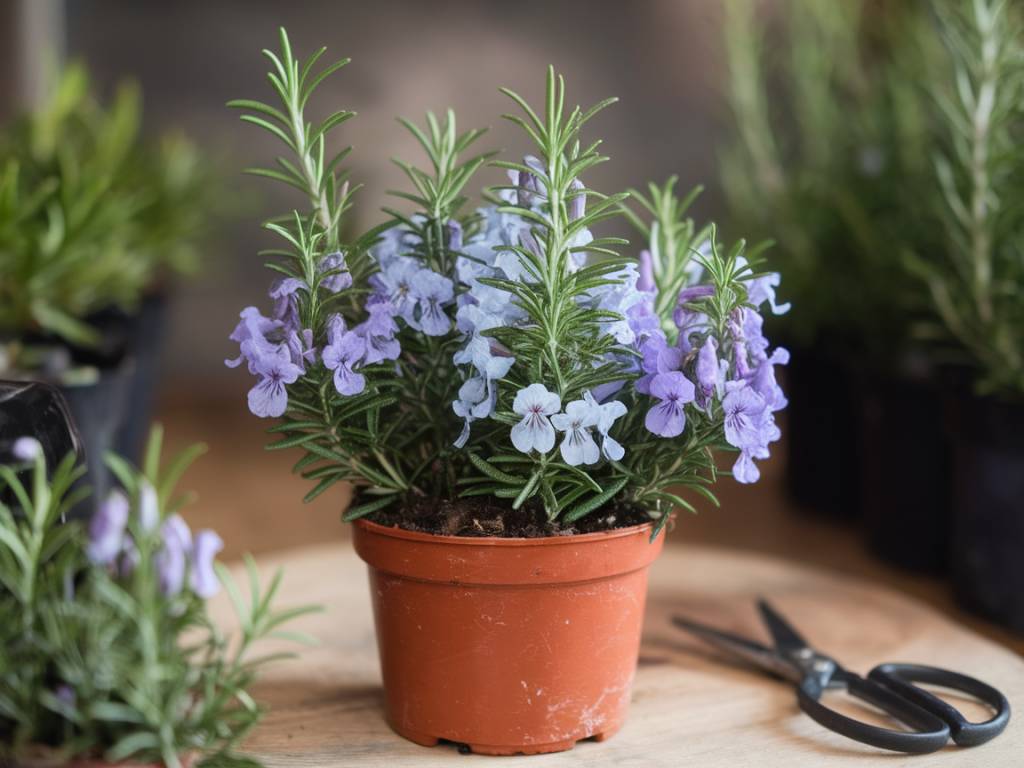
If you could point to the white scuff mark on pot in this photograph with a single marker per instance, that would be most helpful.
(527, 689)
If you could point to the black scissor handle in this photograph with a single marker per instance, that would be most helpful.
(901, 678)
(929, 733)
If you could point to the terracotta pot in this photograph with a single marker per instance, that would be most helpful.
(507, 645)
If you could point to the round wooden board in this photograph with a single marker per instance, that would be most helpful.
(690, 707)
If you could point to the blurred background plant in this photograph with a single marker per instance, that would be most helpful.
(107, 648)
(91, 217)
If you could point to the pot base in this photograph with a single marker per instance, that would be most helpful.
(502, 750)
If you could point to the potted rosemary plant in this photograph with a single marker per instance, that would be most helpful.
(92, 222)
(977, 282)
(518, 406)
(107, 655)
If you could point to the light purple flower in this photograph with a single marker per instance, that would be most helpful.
(149, 507)
(27, 449)
(646, 282)
(284, 292)
(431, 292)
(172, 559)
(252, 334)
(535, 404)
(707, 369)
(578, 446)
(743, 411)
(530, 186)
(744, 470)
(379, 333)
(657, 357)
(343, 354)
(607, 413)
(269, 398)
(106, 529)
(395, 283)
(674, 390)
(336, 277)
(301, 349)
(204, 578)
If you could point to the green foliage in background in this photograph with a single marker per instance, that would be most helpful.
(90, 216)
(100, 660)
(829, 159)
(976, 275)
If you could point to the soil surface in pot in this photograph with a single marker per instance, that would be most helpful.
(495, 517)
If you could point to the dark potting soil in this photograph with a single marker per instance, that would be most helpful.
(492, 517)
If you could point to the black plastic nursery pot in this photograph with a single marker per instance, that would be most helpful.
(906, 465)
(145, 345)
(987, 555)
(823, 434)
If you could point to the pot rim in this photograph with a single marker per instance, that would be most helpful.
(501, 541)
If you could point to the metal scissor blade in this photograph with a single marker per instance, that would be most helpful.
(751, 651)
(787, 640)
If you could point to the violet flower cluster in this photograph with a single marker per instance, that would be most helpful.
(278, 349)
(181, 560)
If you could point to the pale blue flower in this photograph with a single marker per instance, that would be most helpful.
(379, 333)
(578, 201)
(489, 368)
(395, 282)
(431, 292)
(204, 579)
(473, 403)
(107, 528)
(646, 281)
(535, 433)
(285, 293)
(607, 413)
(578, 446)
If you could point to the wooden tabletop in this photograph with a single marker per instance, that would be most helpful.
(689, 706)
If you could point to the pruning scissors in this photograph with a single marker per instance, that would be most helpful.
(890, 687)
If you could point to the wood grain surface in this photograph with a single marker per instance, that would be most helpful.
(690, 707)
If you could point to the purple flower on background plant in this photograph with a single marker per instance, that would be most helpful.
(619, 295)
(607, 413)
(172, 559)
(431, 292)
(149, 507)
(26, 449)
(534, 432)
(646, 282)
(763, 379)
(269, 398)
(336, 277)
(284, 292)
(379, 330)
(657, 357)
(106, 529)
(674, 390)
(128, 559)
(65, 694)
(204, 578)
(578, 446)
(343, 354)
(577, 203)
